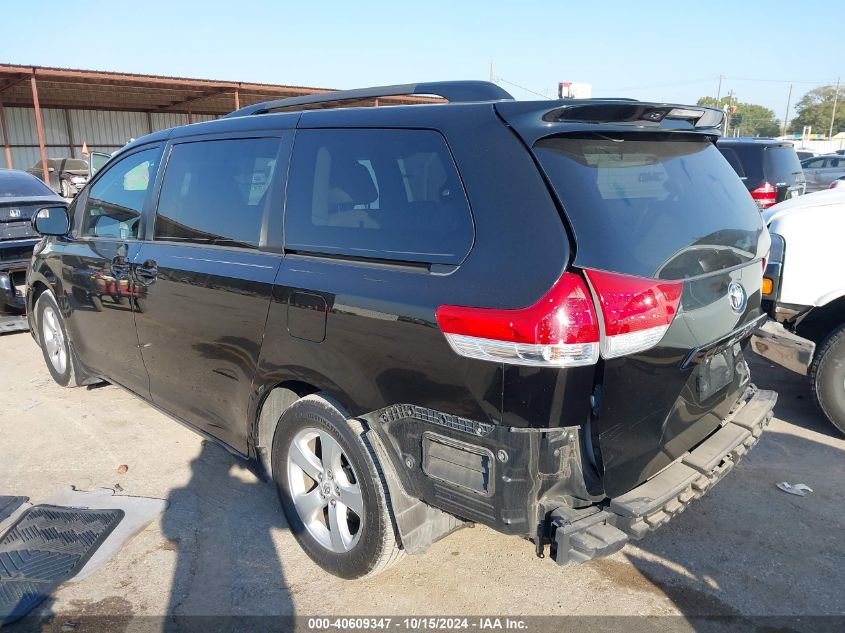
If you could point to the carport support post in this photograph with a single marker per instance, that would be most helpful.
(70, 139)
(237, 99)
(39, 126)
(6, 136)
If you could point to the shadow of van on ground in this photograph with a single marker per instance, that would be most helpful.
(220, 526)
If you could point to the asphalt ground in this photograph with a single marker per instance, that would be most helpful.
(222, 547)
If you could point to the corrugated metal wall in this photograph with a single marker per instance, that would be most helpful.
(101, 130)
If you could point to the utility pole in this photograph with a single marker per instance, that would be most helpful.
(786, 114)
(492, 76)
(833, 116)
(719, 91)
(728, 112)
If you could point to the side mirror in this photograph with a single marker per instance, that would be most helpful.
(51, 221)
(52, 170)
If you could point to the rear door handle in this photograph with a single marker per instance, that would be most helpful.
(147, 272)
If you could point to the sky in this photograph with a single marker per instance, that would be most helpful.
(657, 51)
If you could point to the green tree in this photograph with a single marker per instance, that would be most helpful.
(750, 119)
(816, 107)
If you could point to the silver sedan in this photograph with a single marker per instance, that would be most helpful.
(823, 170)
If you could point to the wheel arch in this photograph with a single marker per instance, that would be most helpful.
(821, 321)
(39, 284)
(274, 403)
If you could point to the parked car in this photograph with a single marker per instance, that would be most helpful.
(529, 315)
(804, 290)
(769, 168)
(21, 195)
(67, 175)
(821, 171)
(803, 154)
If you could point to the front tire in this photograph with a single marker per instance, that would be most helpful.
(828, 378)
(55, 343)
(65, 189)
(332, 490)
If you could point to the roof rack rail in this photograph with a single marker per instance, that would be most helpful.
(452, 91)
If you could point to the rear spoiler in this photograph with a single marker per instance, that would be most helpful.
(532, 118)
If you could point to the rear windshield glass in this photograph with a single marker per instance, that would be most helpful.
(16, 184)
(772, 163)
(782, 165)
(653, 205)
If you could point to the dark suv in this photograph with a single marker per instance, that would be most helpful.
(769, 168)
(529, 315)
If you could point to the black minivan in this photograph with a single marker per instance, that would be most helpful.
(529, 315)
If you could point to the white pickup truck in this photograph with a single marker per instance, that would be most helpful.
(804, 292)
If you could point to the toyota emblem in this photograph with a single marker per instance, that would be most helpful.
(738, 299)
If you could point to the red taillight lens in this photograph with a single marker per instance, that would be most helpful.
(765, 195)
(636, 311)
(561, 329)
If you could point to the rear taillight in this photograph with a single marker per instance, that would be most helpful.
(636, 311)
(765, 195)
(559, 330)
(562, 328)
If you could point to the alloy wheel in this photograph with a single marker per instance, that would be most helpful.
(54, 340)
(325, 490)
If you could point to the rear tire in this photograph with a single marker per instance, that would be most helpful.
(55, 342)
(827, 377)
(332, 490)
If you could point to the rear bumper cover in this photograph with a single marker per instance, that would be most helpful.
(10, 299)
(603, 531)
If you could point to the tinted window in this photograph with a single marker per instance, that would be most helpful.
(14, 184)
(751, 157)
(782, 165)
(218, 192)
(653, 205)
(116, 200)
(389, 194)
(733, 158)
(813, 164)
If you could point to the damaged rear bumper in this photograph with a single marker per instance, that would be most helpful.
(581, 535)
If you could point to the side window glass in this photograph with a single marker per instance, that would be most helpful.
(385, 194)
(115, 201)
(218, 192)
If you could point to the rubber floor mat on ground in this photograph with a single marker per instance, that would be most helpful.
(45, 547)
(8, 505)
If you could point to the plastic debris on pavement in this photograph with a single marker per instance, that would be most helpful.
(800, 490)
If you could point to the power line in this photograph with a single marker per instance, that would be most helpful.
(534, 92)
